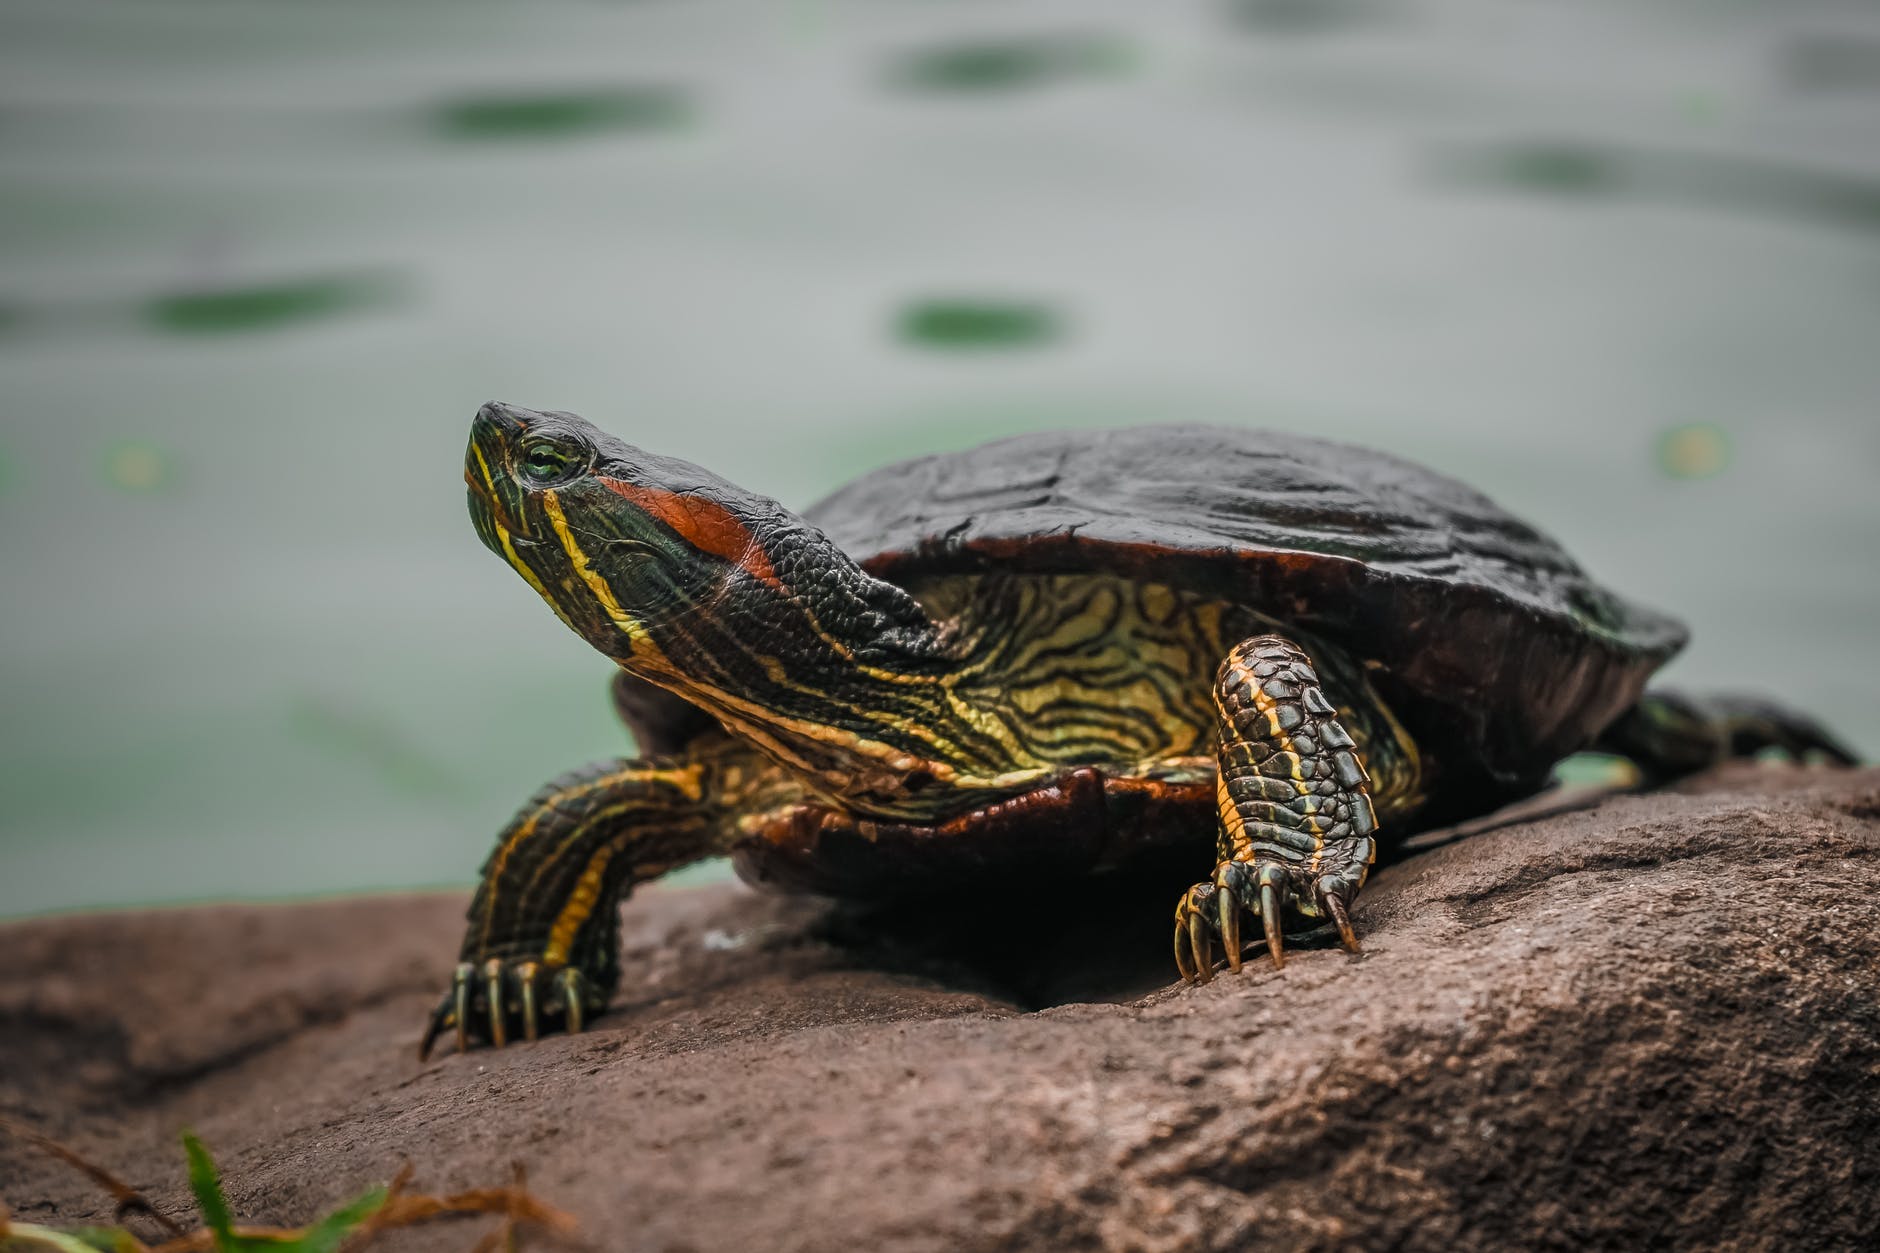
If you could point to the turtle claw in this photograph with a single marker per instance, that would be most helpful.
(1184, 960)
(1264, 889)
(1269, 919)
(1228, 914)
(531, 1026)
(1198, 944)
(493, 995)
(460, 1004)
(487, 1002)
(1334, 904)
(1194, 945)
(450, 1012)
(574, 994)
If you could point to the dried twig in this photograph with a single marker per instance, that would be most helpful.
(128, 1199)
(518, 1207)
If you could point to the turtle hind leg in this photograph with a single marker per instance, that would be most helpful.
(1669, 735)
(1296, 827)
(541, 949)
(1752, 724)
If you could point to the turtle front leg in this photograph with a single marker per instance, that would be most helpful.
(541, 950)
(1297, 827)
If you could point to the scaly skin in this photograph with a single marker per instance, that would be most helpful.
(830, 699)
(1297, 825)
(544, 930)
(1669, 735)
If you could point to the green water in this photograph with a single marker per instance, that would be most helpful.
(1617, 265)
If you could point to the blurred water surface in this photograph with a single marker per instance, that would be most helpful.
(1616, 264)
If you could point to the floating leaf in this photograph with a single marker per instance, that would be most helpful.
(1556, 168)
(1705, 180)
(1008, 64)
(136, 466)
(1700, 450)
(260, 307)
(554, 115)
(977, 324)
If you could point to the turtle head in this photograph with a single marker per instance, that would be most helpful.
(619, 541)
(717, 594)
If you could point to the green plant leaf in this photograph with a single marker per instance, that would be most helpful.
(22, 1236)
(107, 1239)
(204, 1182)
(325, 1236)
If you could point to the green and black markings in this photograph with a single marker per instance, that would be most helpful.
(1071, 674)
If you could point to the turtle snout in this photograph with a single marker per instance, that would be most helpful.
(486, 467)
(501, 421)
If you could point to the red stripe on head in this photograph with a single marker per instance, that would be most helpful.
(705, 524)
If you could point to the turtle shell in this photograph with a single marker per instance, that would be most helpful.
(1490, 643)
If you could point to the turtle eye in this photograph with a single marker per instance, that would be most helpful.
(544, 463)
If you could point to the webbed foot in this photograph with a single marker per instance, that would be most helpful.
(517, 998)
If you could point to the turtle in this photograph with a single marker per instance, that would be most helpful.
(1039, 659)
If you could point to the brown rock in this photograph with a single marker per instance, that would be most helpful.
(1655, 1022)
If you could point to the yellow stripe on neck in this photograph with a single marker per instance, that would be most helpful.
(629, 626)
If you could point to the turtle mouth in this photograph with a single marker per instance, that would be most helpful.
(485, 472)
(484, 501)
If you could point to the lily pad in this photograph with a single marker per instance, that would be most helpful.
(555, 115)
(978, 324)
(264, 306)
(1699, 179)
(991, 65)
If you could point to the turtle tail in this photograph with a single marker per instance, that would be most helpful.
(1669, 735)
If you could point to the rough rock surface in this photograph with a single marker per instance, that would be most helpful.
(1653, 1022)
